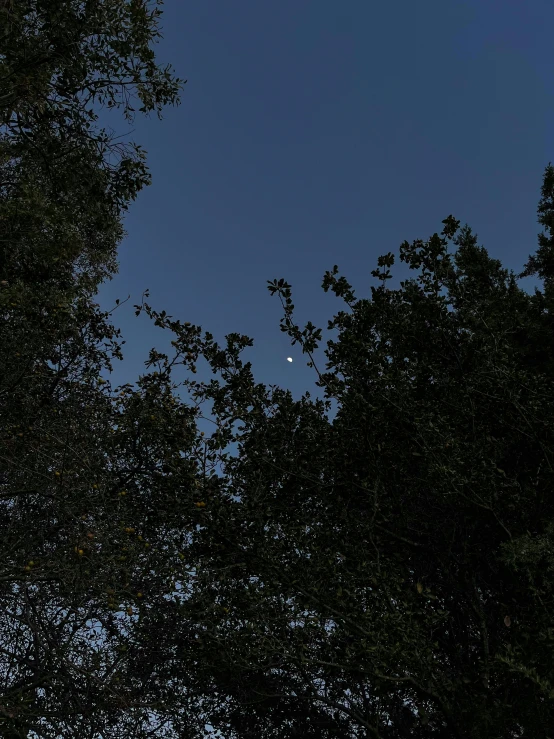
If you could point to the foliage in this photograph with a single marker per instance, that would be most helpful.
(96, 504)
(62, 194)
(399, 555)
(73, 566)
(387, 573)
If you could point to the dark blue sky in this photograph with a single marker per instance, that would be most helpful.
(315, 133)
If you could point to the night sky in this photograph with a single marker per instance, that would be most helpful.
(320, 133)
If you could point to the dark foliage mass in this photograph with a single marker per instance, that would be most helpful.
(385, 572)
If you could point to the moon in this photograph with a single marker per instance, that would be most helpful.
(289, 359)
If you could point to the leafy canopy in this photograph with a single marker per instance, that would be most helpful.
(385, 573)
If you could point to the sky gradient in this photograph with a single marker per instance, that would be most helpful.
(315, 133)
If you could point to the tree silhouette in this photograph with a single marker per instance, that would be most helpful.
(384, 573)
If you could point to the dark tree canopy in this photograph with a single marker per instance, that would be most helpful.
(386, 572)
(63, 183)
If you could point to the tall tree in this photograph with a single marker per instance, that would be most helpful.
(69, 552)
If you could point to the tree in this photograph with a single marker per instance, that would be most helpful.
(397, 561)
(70, 550)
(344, 578)
(384, 574)
(62, 192)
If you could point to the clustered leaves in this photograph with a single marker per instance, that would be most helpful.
(386, 572)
